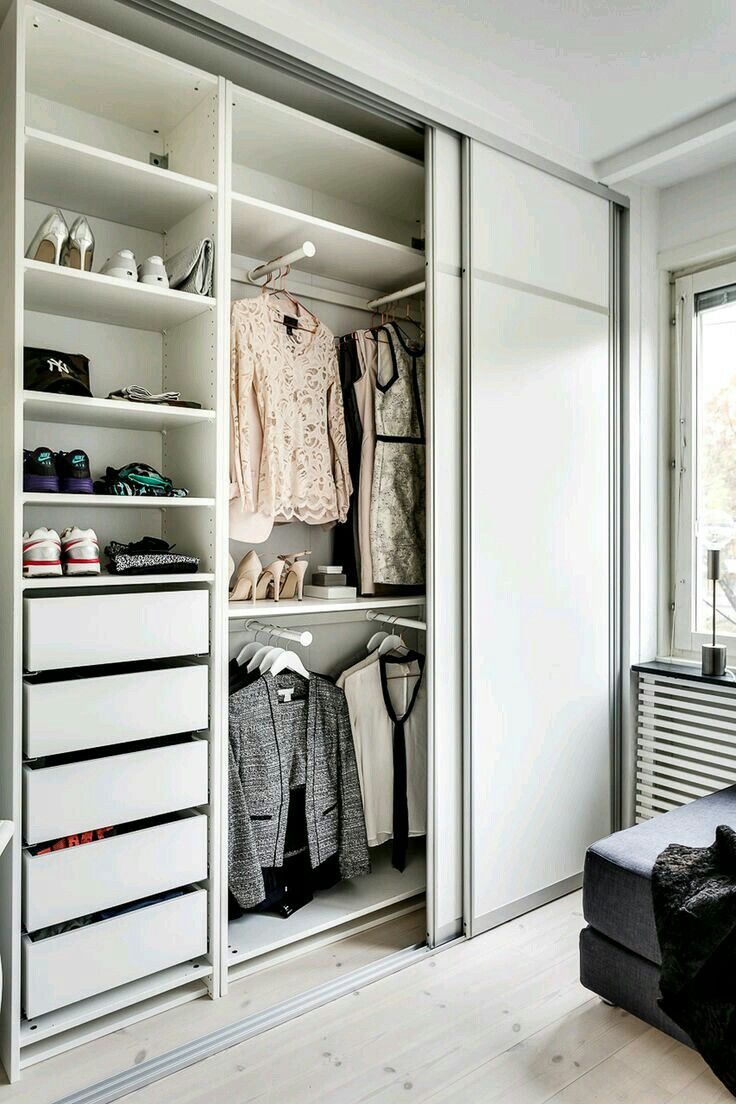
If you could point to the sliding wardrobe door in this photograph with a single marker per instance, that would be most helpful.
(539, 534)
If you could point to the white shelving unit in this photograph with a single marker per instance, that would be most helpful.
(84, 145)
(258, 178)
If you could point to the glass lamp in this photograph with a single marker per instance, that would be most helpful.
(717, 531)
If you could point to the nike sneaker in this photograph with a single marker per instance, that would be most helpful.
(39, 470)
(41, 553)
(80, 551)
(122, 265)
(153, 271)
(73, 471)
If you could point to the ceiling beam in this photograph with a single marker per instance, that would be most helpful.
(698, 133)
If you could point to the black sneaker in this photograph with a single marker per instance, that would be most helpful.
(39, 470)
(74, 473)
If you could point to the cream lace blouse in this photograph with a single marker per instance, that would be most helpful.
(304, 464)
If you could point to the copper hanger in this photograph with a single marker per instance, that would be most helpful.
(266, 289)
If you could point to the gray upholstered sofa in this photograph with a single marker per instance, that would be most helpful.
(619, 950)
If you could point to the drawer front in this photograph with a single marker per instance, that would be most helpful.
(80, 963)
(69, 716)
(79, 797)
(114, 628)
(63, 885)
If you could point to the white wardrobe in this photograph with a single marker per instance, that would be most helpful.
(114, 691)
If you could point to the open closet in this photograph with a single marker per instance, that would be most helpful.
(238, 737)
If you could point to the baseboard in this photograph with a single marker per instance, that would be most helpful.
(526, 904)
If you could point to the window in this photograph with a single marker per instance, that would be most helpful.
(705, 457)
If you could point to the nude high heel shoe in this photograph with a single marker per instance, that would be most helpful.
(247, 574)
(293, 584)
(79, 249)
(270, 579)
(49, 239)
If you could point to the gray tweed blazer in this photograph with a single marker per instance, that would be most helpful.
(268, 740)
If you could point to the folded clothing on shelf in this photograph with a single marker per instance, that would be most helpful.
(191, 269)
(56, 373)
(149, 556)
(137, 479)
(136, 393)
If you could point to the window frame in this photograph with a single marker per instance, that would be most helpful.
(684, 640)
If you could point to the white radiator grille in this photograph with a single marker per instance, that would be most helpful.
(686, 742)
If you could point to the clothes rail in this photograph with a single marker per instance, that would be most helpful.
(392, 297)
(306, 249)
(299, 636)
(391, 619)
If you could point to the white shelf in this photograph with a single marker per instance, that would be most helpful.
(283, 142)
(82, 1012)
(77, 177)
(134, 502)
(81, 582)
(265, 230)
(52, 289)
(74, 63)
(286, 608)
(258, 933)
(112, 413)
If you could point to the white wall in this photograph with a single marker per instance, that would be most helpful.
(699, 208)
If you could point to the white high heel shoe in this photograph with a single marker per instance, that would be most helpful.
(50, 239)
(79, 249)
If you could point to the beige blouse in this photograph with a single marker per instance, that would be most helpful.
(304, 463)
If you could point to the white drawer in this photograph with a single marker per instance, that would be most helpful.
(77, 713)
(70, 967)
(63, 885)
(114, 628)
(95, 793)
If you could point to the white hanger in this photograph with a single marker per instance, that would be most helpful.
(247, 651)
(376, 639)
(288, 661)
(390, 644)
(255, 659)
(267, 660)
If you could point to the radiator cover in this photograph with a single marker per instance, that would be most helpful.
(686, 742)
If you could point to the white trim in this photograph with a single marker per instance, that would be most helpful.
(679, 257)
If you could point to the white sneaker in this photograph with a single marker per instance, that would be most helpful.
(41, 553)
(153, 271)
(121, 265)
(80, 551)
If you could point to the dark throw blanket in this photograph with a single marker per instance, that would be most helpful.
(694, 894)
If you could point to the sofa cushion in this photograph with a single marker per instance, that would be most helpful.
(617, 892)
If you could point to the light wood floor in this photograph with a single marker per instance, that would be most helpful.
(502, 1018)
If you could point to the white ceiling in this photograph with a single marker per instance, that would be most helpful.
(585, 78)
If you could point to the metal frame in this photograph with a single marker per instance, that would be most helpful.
(467, 447)
(615, 513)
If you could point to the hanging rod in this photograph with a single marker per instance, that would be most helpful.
(390, 619)
(404, 293)
(303, 636)
(306, 249)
